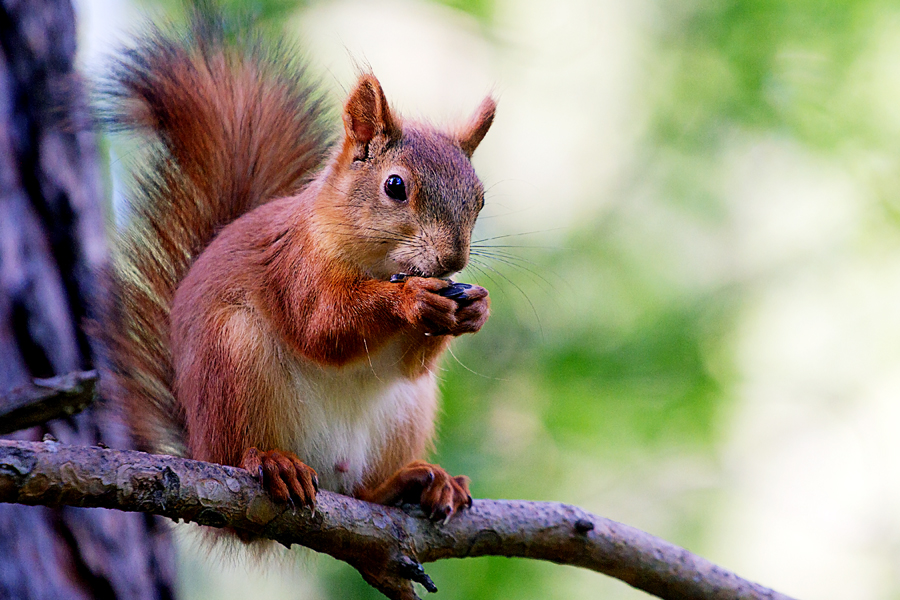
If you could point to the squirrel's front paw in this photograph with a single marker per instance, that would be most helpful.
(430, 486)
(473, 307)
(439, 307)
(283, 475)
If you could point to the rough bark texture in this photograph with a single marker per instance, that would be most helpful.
(51, 248)
(386, 545)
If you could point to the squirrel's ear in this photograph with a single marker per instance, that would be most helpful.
(477, 127)
(367, 114)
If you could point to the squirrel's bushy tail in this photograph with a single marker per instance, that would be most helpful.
(230, 125)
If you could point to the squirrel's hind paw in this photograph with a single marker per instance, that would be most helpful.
(430, 486)
(283, 475)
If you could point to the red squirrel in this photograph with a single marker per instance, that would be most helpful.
(260, 321)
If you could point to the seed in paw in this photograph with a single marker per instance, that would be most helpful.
(457, 292)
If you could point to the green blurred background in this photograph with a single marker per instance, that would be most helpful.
(691, 241)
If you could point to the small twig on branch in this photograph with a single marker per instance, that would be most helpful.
(46, 399)
(387, 545)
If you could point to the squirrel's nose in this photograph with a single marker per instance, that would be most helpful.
(455, 262)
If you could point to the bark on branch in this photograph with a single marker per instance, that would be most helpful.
(387, 545)
(46, 399)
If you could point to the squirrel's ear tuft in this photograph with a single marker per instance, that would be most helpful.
(477, 127)
(367, 114)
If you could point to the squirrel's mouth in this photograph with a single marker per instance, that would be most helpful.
(417, 272)
(426, 264)
(438, 254)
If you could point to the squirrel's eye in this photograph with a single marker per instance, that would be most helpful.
(395, 188)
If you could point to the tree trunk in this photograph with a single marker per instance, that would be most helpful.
(52, 250)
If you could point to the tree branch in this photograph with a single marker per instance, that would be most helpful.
(386, 545)
(46, 399)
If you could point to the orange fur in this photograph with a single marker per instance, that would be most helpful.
(265, 313)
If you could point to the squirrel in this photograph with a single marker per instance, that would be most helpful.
(281, 302)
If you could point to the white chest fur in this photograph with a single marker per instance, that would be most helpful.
(339, 420)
